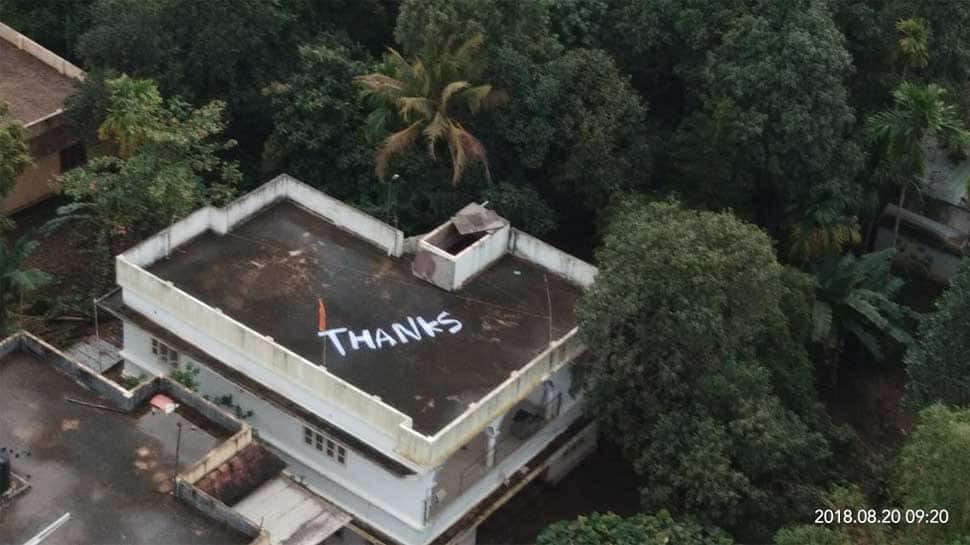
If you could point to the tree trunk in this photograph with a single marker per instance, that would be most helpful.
(899, 213)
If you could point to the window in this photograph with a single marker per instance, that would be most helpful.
(163, 353)
(325, 444)
(72, 157)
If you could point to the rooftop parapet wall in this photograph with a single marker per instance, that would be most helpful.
(282, 187)
(434, 450)
(40, 53)
(571, 268)
(264, 350)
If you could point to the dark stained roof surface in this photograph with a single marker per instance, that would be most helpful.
(31, 88)
(270, 272)
(111, 471)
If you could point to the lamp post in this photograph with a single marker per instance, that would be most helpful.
(395, 178)
(178, 449)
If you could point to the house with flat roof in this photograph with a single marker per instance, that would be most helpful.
(34, 83)
(415, 383)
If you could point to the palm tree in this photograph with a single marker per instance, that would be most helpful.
(853, 297)
(15, 280)
(133, 113)
(912, 48)
(900, 134)
(426, 95)
(823, 227)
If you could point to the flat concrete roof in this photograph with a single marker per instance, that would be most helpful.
(30, 87)
(270, 272)
(110, 471)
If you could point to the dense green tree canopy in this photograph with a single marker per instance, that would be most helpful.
(14, 155)
(169, 164)
(610, 529)
(55, 24)
(935, 456)
(16, 277)
(856, 296)
(682, 380)
(937, 363)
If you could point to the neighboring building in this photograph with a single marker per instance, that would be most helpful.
(934, 226)
(417, 384)
(34, 83)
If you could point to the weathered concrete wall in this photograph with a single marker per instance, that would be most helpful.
(361, 481)
(477, 257)
(218, 511)
(34, 184)
(937, 264)
(222, 220)
(576, 450)
(40, 53)
(117, 395)
(569, 267)
(265, 360)
(212, 412)
(435, 450)
(451, 272)
(218, 456)
(506, 468)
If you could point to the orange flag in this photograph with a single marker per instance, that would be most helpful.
(322, 315)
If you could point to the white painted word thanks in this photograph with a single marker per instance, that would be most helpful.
(403, 333)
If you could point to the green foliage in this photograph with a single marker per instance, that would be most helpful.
(684, 378)
(422, 23)
(428, 97)
(16, 278)
(581, 23)
(913, 47)
(318, 134)
(220, 48)
(949, 45)
(55, 24)
(170, 161)
(760, 110)
(14, 155)
(935, 457)
(610, 529)
(187, 375)
(574, 122)
(129, 382)
(937, 363)
(228, 401)
(856, 296)
(225, 50)
(900, 133)
(320, 137)
(810, 535)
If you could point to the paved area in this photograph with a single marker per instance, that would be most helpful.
(291, 514)
(112, 472)
(31, 88)
(270, 272)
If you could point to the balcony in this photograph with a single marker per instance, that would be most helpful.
(487, 450)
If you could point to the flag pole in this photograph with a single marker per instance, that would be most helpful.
(322, 326)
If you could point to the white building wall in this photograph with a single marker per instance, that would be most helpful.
(301, 392)
(366, 489)
(394, 505)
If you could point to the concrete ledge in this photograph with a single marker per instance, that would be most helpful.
(40, 53)
(218, 511)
